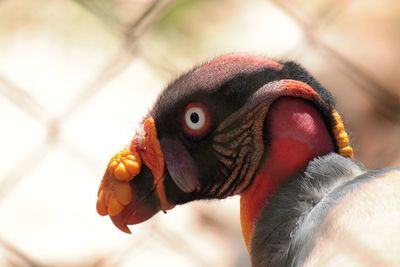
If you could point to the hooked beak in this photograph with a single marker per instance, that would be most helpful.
(132, 190)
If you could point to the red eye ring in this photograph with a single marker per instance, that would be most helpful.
(196, 120)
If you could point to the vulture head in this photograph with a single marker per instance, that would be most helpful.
(236, 125)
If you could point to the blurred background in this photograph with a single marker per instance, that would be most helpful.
(76, 77)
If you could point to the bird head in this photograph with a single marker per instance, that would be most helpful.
(207, 136)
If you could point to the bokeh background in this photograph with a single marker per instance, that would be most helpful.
(76, 77)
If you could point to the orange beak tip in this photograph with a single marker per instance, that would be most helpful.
(120, 225)
(125, 229)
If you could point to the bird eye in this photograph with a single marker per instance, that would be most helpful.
(196, 120)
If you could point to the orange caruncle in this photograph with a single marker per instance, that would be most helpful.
(115, 191)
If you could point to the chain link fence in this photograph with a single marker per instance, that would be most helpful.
(350, 46)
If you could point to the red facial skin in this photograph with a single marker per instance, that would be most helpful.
(297, 135)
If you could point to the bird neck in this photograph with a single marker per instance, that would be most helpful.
(297, 134)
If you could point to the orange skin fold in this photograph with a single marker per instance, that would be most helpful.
(115, 193)
(153, 157)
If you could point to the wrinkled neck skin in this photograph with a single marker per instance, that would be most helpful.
(296, 133)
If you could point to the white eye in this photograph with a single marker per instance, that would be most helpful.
(195, 118)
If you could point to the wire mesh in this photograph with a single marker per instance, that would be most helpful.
(142, 39)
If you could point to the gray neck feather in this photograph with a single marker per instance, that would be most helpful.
(277, 231)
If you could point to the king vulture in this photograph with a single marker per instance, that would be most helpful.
(269, 132)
